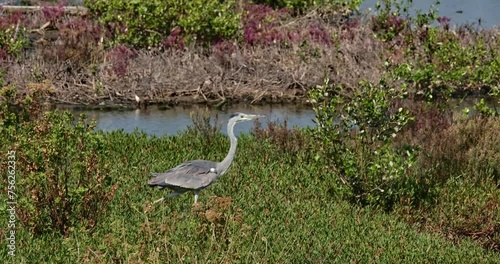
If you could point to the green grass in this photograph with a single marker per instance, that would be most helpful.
(271, 206)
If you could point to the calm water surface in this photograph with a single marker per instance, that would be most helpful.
(460, 11)
(175, 120)
(172, 121)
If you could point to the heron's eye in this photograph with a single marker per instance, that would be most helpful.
(241, 116)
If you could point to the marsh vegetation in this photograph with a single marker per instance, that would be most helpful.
(391, 173)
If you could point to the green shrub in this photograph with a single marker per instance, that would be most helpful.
(13, 38)
(62, 179)
(446, 66)
(435, 61)
(355, 130)
(299, 6)
(390, 21)
(148, 23)
(17, 108)
(486, 110)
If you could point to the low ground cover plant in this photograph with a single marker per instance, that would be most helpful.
(391, 172)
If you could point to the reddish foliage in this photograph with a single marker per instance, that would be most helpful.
(224, 47)
(174, 40)
(294, 36)
(82, 29)
(257, 13)
(260, 27)
(53, 13)
(119, 58)
(3, 53)
(319, 34)
(444, 22)
(392, 23)
(9, 19)
(349, 28)
(352, 23)
(176, 31)
(80, 37)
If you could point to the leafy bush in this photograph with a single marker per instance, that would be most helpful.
(13, 38)
(18, 108)
(300, 6)
(436, 62)
(447, 67)
(355, 130)
(63, 180)
(486, 110)
(148, 23)
(390, 22)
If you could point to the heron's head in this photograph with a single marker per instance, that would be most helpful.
(239, 117)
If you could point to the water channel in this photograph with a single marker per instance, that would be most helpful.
(171, 121)
(158, 122)
(459, 11)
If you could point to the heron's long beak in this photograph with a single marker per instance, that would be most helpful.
(255, 116)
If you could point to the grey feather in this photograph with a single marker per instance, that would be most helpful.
(191, 175)
(196, 175)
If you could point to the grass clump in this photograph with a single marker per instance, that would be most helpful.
(459, 163)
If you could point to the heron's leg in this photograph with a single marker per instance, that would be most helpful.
(196, 192)
(175, 193)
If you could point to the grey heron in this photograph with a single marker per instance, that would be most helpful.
(196, 175)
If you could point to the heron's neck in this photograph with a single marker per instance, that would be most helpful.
(224, 164)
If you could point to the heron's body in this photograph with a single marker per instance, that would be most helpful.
(196, 175)
(190, 175)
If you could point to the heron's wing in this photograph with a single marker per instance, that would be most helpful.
(194, 174)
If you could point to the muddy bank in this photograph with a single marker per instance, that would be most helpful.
(71, 53)
(260, 75)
